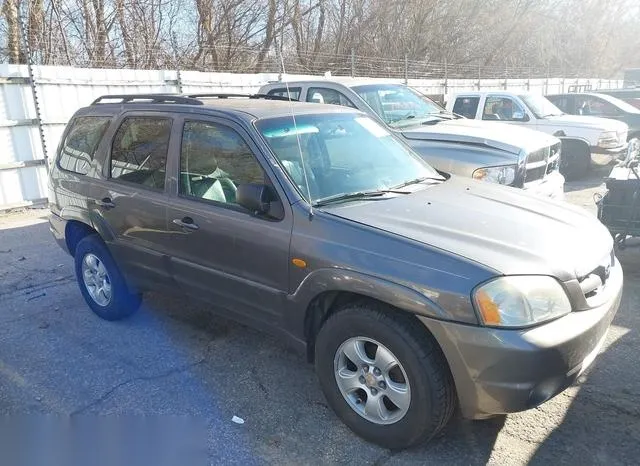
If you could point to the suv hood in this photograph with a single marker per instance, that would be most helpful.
(577, 121)
(501, 228)
(500, 136)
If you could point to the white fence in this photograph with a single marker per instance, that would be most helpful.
(60, 91)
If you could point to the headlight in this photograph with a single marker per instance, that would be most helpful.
(502, 175)
(608, 139)
(520, 301)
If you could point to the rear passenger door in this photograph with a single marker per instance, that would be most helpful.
(131, 197)
(220, 252)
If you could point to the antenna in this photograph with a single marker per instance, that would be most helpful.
(295, 128)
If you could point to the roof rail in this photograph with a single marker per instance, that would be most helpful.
(246, 96)
(147, 98)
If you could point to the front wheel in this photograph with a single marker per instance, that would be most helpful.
(384, 376)
(101, 283)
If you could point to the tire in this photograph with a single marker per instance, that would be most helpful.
(428, 379)
(575, 161)
(115, 302)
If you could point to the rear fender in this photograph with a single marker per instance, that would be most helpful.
(92, 219)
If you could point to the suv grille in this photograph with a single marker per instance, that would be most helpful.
(595, 281)
(542, 162)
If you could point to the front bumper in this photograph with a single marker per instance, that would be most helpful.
(619, 152)
(551, 186)
(499, 371)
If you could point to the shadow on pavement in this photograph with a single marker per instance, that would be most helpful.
(602, 424)
(594, 178)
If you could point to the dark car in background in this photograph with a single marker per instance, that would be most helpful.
(599, 105)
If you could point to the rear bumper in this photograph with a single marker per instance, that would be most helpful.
(551, 186)
(57, 226)
(504, 371)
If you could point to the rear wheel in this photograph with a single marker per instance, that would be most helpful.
(383, 375)
(101, 283)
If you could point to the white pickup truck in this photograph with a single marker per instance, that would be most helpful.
(581, 136)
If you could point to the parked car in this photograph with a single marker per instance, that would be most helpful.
(520, 158)
(599, 105)
(412, 291)
(581, 136)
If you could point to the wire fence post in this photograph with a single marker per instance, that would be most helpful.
(179, 80)
(529, 81)
(34, 91)
(406, 70)
(479, 75)
(446, 77)
(546, 82)
(506, 77)
(353, 64)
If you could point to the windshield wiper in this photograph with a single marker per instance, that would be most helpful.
(360, 195)
(418, 180)
(411, 116)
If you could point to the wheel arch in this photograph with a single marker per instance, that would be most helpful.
(331, 290)
(79, 224)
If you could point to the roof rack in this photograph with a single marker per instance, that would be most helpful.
(246, 96)
(147, 98)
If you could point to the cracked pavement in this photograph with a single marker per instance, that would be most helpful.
(175, 357)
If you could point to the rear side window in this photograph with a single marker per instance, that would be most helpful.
(321, 95)
(294, 92)
(139, 151)
(560, 101)
(466, 106)
(81, 143)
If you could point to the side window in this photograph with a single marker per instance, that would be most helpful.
(322, 95)
(501, 108)
(560, 101)
(466, 106)
(294, 92)
(214, 161)
(80, 145)
(139, 151)
(596, 107)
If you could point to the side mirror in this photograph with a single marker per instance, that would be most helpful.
(259, 199)
(520, 116)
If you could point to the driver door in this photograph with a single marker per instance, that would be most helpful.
(219, 251)
(505, 109)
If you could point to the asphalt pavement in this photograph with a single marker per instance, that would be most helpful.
(181, 367)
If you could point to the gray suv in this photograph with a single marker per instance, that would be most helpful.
(412, 291)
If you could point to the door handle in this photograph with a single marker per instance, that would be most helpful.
(186, 223)
(106, 202)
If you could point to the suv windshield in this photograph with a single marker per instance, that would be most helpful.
(343, 154)
(540, 106)
(398, 105)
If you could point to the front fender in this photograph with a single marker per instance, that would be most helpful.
(343, 280)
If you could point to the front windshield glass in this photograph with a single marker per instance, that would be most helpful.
(540, 106)
(343, 153)
(398, 105)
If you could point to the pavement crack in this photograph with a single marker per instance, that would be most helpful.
(147, 378)
(384, 457)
